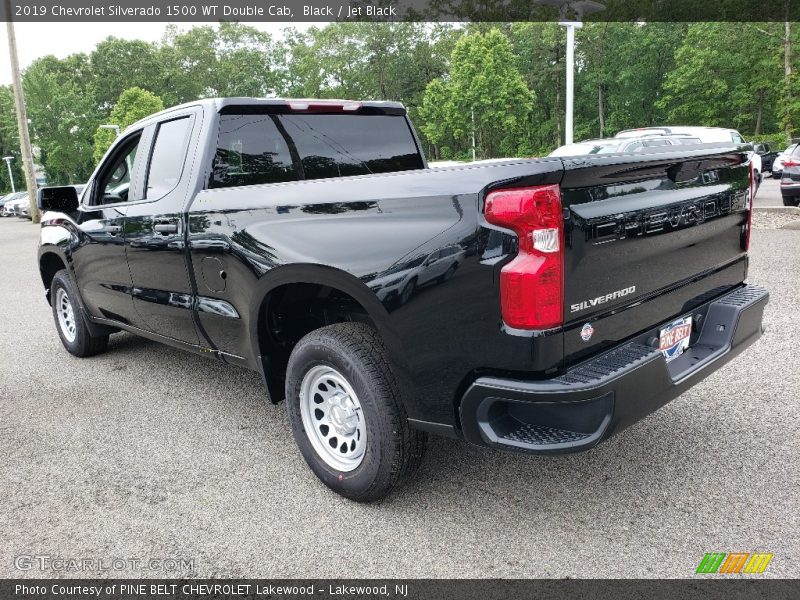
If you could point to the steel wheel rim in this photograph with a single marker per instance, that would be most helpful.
(66, 315)
(333, 418)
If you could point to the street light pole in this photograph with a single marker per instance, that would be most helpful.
(8, 160)
(575, 10)
(571, 26)
(22, 120)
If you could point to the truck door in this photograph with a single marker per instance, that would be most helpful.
(99, 260)
(154, 234)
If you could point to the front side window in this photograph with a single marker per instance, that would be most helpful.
(273, 148)
(169, 152)
(114, 180)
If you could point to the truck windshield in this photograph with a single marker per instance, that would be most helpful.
(271, 148)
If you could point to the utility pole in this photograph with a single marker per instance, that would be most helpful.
(22, 120)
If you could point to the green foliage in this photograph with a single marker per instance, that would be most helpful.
(133, 104)
(9, 142)
(726, 74)
(63, 115)
(484, 95)
(626, 75)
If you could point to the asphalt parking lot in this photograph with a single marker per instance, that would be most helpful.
(146, 452)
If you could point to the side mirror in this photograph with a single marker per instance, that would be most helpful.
(61, 198)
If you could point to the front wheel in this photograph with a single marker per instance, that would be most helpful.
(69, 319)
(346, 414)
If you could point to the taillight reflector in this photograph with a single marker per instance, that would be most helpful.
(531, 285)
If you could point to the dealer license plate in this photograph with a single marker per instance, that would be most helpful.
(674, 338)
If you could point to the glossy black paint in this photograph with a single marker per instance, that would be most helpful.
(204, 269)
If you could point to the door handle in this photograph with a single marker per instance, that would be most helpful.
(112, 229)
(165, 228)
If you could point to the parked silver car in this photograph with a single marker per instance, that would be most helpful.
(11, 207)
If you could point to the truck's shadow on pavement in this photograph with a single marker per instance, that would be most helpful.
(663, 449)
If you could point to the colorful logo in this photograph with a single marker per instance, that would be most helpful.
(586, 332)
(734, 562)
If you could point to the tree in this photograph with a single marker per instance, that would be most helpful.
(484, 94)
(726, 74)
(133, 104)
(231, 60)
(539, 50)
(118, 65)
(9, 141)
(63, 116)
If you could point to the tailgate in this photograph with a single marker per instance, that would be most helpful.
(647, 237)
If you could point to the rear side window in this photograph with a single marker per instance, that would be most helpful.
(274, 148)
(736, 138)
(166, 162)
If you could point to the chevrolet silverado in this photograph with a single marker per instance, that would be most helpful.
(538, 306)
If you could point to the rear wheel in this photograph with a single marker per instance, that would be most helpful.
(69, 319)
(791, 200)
(346, 414)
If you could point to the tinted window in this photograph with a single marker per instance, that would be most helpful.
(736, 138)
(114, 179)
(652, 143)
(166, 163)
(254, 149)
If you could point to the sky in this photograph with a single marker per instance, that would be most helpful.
(62, 39)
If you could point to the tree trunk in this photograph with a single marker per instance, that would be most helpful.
(759, 112)
(601, 110)
(787, 71)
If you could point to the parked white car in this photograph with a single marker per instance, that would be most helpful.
(777, 164)
(707, 135)
(12, 207)
(400, 282)
(618, 145)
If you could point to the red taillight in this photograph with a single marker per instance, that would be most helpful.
(531, 285)
(791, 163)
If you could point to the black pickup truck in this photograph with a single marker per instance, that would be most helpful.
(531, 305)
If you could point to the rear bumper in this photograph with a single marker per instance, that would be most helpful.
(790, 189)
(606, 394)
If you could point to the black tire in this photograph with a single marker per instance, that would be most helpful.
(82, 343)
(791, 200)
(393, 450)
